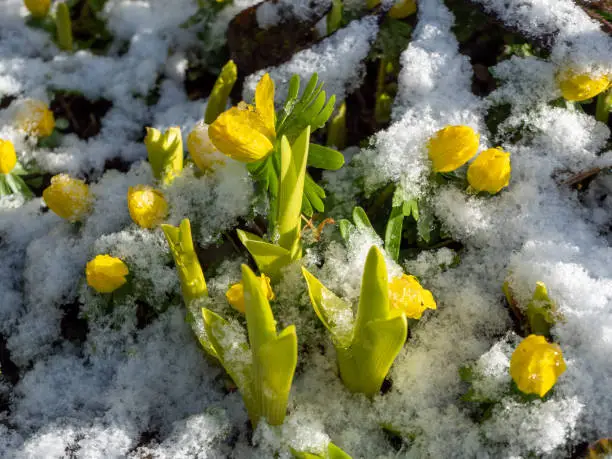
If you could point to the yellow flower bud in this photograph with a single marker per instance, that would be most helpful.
(165, 153)
(407, 296)
(490, 171)
(38, 8)
(536, 364)
(34, 117)
(147, 206)
(452, 147)
(204, 154)
(106, 274)
(246, 133)
(8, 158)
(402, 9)
(68, 197)
(235, 294)
(581, 86)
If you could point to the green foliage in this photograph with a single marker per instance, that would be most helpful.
(366, 345)
(262, 369)
(287, 247)
(332, 452)
(64, 27)
(220, 92)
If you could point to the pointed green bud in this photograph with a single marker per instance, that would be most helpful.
(64, 27)
(165, 153)
(292, 177)
(541, 312)
(336, 131)
(217, 102)
(179, 239)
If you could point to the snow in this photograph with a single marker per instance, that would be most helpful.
(139, 385)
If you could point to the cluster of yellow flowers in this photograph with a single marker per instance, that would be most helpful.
(452, 147)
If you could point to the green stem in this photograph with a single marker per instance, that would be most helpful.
(604, 106)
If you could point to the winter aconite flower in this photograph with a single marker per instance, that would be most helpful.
(147, 206)
(581, 86)
(106, 274)
(246, 133)
(452, 147)
(38, 8)
(8, 158)
(490, 171)
(34, 117)
(536, 364)
(407, 296)
(235, 294)
(68, 197)
(203, 153)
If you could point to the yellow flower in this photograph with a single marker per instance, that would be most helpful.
(581, 86)
(490, 171)
(165, 153)
(68, 197)
(34, 117)
(452, 147)
(204, 154)
(536, 364)
(106, 274)
(402, 9)
(407, 296)
(38, 8)
(246, 133)
(8, 158)
(235, 294)
(147, 206)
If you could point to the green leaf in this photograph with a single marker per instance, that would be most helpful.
(411, 207)
(193, 284)
(274, 364)
(220, 92)
(361, 219)
(64, 27)
(17, 185)
(334, 452)
(334, 17)
(345, 227)
(335, 314)
(393, 232)
(260, 321)
(336, 131)
(325, 157)
(4, 188)
(269, 258)
(424, 226)
(312, 198)
(374, 295)
(293, 171)
(319, 120)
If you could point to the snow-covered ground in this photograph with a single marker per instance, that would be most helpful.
(128, 391)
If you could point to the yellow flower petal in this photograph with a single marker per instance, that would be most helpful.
(407, 296)
(68, 197)
(452, 147)
(147, 206)
(235, 294)
(105, 273)
(490, 171)
(581, 86)
(240, 134)
(8, 158)
(264, 104)
(34, 117)
(536, 364)
(38, 8)
(203, 152)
